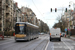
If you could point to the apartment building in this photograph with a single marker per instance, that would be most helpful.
(2, 14)
(9, 15)
(6, 15)
(29, 15)
(17, 14)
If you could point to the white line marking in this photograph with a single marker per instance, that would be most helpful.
(67, 45)
(58, 43)
(53, 48)
(47, 45)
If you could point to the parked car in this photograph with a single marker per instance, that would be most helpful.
(62, 34)
(41, 33)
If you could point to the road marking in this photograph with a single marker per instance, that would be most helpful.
(67, 45)
(47, 45)
(53, 48)
(58, 43)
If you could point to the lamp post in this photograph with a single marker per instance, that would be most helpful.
(70, 19)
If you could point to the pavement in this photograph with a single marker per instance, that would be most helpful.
(6, 38)
(71, 37)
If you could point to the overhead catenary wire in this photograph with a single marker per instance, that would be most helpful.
(37, 8)
(39, 11)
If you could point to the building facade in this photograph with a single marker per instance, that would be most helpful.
(29, 15)
(10, 13)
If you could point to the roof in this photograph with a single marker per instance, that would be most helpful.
(28, 24)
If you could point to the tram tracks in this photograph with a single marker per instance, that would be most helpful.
(42, 45)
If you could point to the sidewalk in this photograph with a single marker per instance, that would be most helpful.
(6, 38)
(71, 37)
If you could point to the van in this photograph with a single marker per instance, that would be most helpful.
(55, 33)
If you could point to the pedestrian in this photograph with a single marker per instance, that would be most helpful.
(14, 34)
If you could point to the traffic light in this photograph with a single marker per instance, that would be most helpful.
(51, 9)
(66, 10)
(55, 9)
(69, 5)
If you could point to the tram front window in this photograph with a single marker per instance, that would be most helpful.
(20, 30)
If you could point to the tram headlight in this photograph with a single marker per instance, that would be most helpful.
(15, 35)
(25, 35)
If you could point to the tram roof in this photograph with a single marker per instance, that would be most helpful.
(28, 24)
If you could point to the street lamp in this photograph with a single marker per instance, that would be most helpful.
(70, 19)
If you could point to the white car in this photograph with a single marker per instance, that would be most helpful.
(62, 34)
(55, 33)
(41, 33)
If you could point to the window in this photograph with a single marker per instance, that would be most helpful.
(74, 27)
(0, 29)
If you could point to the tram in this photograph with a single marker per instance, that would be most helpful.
(25, 31)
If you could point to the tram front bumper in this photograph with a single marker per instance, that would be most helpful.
(24, 38)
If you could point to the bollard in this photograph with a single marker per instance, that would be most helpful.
(13, 34)
(65, 35)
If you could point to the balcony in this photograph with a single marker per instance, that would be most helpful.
(0, 1)
(7, 3)
(7, 12)
(0, 4)
(0, 17)
(0, 14)
(0, 24)
(8, 20)
(15, 18)
(0, 8)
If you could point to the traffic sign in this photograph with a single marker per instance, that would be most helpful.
(65, 29)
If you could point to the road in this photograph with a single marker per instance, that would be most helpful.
(41, 43)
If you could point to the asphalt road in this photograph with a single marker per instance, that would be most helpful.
(41, 43)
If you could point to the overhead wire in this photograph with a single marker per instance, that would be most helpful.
(37, 8)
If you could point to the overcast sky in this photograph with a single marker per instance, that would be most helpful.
(42, 8)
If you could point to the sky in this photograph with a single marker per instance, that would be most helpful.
(42, 8)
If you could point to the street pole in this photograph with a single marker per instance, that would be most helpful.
(70, 20)
(3, 17)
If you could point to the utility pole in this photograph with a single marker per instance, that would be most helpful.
(3, 16)
(70, 20)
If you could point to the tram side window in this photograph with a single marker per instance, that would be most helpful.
(35, 31)
(28, 30)
(32, 30)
